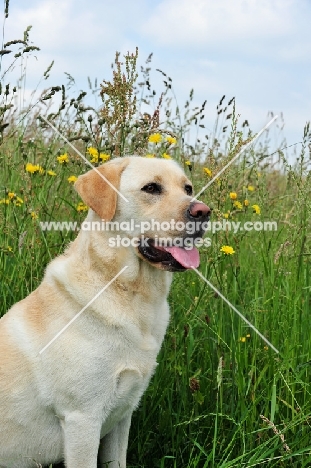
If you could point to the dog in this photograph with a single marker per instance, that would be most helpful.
(77, 354)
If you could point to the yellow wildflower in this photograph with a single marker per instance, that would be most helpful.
(248, 335)
(72, 179)
(226, 215)
(34, 215)
(246, 202)
(92, 151)
(155, 138)
(238, 205)
(256, 209)
(18, 201)
(226, 249)
(171, 140)
(188, 163)
(104, 157)
(30, 168)
(33, 168)
(250, 188)
(233, 195)
(51, 173)
(207, 171)
(4, 201)
(149, 155)
(242, 339)
(11, 195)
(166, 156)
(63, 158)
(82, 207)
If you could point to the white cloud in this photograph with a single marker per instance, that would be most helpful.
(226, 24)
(81, 40)
(71, 27)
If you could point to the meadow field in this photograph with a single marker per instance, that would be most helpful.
(221, 396)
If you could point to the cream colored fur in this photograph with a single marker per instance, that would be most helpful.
(76, 399)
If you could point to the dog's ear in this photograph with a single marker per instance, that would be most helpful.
(97, 187)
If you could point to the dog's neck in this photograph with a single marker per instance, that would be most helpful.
(93, 247)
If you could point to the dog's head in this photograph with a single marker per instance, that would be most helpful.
(150, 203)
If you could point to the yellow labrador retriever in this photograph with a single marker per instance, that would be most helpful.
(71, 399)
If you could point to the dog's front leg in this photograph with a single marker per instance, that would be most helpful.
(81, 437)
(114, 445)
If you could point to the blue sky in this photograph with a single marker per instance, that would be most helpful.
(256, 50)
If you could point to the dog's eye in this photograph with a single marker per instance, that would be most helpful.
(153, 188)
(188, 189)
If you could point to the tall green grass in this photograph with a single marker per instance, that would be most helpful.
(215, 377)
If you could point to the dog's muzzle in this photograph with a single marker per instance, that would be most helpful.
(179, 257)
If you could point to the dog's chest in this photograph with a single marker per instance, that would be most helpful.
(131, 384)
(134, 367)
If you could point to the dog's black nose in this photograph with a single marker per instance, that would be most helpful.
(198, 211)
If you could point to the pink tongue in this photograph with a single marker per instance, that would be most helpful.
(187, 258)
